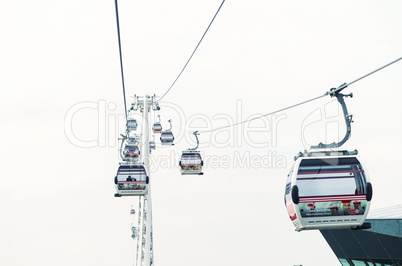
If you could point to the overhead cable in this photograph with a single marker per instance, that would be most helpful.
(343, 86)
(274, 112)
(174, 82)
(330, 92)
(121, 58)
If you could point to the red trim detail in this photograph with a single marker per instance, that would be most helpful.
(332, 198)
(330, 172)
(131, 182)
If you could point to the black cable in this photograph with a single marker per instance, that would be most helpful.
(193, 51)
(121, 58)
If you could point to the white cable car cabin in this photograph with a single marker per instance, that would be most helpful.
(131, 152)
(132, 124)
(131, 180)
(328, 190)
(157, 127)
(167, 138)
(152, 145)
(191, 163)
(131, 140)
(132, 211)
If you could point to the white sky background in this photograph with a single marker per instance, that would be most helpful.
(56, 199)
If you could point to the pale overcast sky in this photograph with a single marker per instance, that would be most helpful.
(56, 196)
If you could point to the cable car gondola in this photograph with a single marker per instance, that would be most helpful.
(328, 188)
(328, 192)
(157, 127)
(131, 180)
(191, 162)
(131, 140)
(132, 124)
(131, 152)
(132, 211)
(167, 137)
(152, 145)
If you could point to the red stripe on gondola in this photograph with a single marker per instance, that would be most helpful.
(329, 172)
(325, 177)
(332, 198)
(131, 182)
(132, 171)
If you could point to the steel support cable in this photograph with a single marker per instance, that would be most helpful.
(343, 86)
(330, 92)
(174, 82)
(121, 59)
(274, 112)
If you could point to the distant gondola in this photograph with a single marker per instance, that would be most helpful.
(167, 137)
(131, 152)
(191, 163)
(152, 145)
(157, 127)
(132, 124)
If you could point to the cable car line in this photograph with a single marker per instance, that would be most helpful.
(174, 82)
(121, 58)
(343, 86)
(332, 92)
(274, 112)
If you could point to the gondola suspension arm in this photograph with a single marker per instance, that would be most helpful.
(335, 92)
(195, 133)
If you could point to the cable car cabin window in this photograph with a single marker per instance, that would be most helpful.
(340, 176)
(127, 173)
(131, 151)
(190, 159)
(132, 123)
(289, 180)
(157, 127)
(131, 141)
(288, 188)
(167, 136)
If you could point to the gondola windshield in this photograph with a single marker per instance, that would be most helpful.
(190, 159)
(130, 173)
(132, 124)
(131, 151)
(167, 136)
(318, 177)
(131, 180)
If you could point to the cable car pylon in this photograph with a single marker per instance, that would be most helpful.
(133, 179)
(145, 239)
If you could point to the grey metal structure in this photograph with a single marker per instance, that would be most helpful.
(348, 118)
(195, 133)
(379, 245)
(143, 232)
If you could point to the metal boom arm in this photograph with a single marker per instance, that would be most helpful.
(347, 117)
